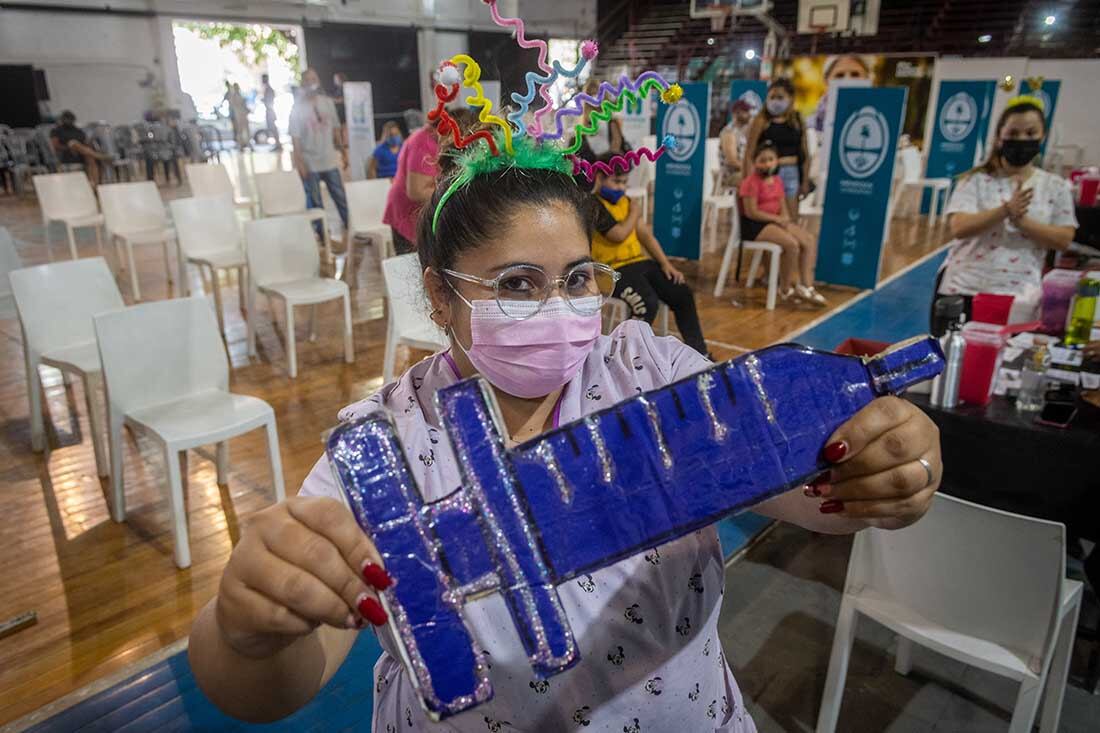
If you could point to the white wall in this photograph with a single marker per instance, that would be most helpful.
(1075, 112)
(94, 61)
(92, 71)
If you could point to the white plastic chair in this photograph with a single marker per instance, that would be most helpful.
(212, 179)
(985, 587)
(714, 201)
(178, 393)
(136, 215)
(617, 310)
(406, 324)
(637, 188)
(56, 303)
(9, 261)
(283, 261)
(69, 199)
(209, 237)
(366, 205)
(735, 245)
(281, 193)
(911, 179)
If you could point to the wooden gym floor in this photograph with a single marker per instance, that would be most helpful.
(108, 594)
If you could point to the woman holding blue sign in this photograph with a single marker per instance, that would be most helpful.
(1005, 214)
(780, 122)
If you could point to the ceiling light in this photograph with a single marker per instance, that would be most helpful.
(750, 54)
(985, 38)
(710, 41)
(1049, 20)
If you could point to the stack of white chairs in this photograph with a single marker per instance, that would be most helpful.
(212, 179)
(56, 303)
(981, 586)
(135, 214)
(715, 200)
(210, 238)
(912, 179)
(281, 193)
(366, 205)
(283, 262)
(69, 199)
(617, 310)
(407, 323)
(735, 245)
(178, 394)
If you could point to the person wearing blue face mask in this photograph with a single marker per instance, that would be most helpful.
(626, 243)
(383, 161)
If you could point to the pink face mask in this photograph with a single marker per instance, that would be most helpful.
(531, 357)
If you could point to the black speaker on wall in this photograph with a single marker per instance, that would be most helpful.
(41, 88)
(17, 89)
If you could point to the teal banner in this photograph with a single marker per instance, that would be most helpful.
(961, 124)
(752, 91)
(861, 170)
(678, 209)
(1049, 95)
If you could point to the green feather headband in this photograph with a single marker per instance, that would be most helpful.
(480, 160)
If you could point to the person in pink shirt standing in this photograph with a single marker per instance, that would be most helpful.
(417, 171)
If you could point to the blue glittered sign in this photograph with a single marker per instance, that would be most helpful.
(961, 123)
(646, 471)
(678, 211)
(857, 194)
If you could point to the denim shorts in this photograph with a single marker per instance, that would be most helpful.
(789, 175)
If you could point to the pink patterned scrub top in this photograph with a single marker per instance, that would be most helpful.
(646, 627)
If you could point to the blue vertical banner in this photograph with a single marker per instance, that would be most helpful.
(857, 194)
(752, 91)
(961, 124)
(678, 211)
(1049, 94)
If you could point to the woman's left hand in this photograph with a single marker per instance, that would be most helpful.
(672, 273)
(887, 465)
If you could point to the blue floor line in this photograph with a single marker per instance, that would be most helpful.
(166, 698)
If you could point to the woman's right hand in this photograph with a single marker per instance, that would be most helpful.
(299, 564)
(1017, 206)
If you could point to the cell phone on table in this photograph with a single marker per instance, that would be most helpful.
(1057, 414)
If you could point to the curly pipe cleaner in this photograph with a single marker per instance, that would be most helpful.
(470, 79)
(523, 42)
(445, 124)
(623, 162)
(589, 49)
(641, 86)
(603, 114)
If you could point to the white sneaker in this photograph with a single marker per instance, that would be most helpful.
(810, 295)
(790, 295)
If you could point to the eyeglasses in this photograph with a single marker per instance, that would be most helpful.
(584, 287)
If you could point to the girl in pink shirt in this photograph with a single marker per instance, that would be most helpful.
(766, 218)
(509, 276)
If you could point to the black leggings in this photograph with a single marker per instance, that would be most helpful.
(644, 287)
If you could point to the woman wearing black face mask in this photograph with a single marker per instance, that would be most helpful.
(1005, 214)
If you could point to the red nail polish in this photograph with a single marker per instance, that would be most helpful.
(831, 507)
(376, 576)
(834, 452)
(372, 611)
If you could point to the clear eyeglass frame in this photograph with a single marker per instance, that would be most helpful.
(602, 278)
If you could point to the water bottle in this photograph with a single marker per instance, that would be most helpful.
(1081, 313)
(953, 353)
(1032, 373)
(946, 314)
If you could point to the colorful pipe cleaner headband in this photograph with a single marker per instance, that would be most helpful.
(530, 145)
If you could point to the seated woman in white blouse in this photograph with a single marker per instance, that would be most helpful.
(1005, 214)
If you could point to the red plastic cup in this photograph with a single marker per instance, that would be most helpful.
(991, 308)
(984, 346)
(1089, 187)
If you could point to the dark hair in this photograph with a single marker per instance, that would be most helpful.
(782, 83)
(485, 205)
(67, 117)
(467, 121)
(762, 146)
(993, 161)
